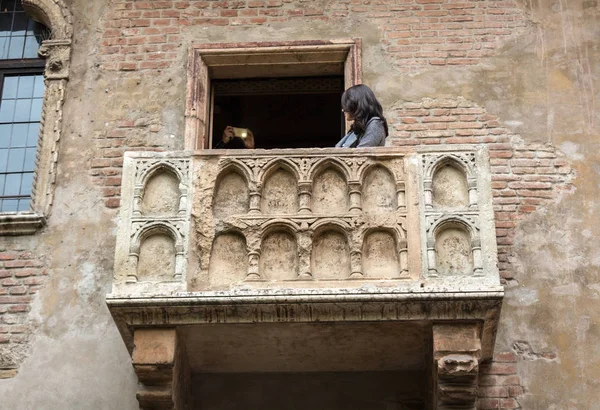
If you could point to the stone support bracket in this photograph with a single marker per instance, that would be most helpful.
(160, 362)
(456, 356)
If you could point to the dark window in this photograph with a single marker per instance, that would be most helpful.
(302, 112)
(21, 97)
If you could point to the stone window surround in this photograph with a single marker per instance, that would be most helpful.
(55, 15)
(260, 59)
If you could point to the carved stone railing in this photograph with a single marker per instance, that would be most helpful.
(302, 218)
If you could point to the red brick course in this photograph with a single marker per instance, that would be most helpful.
(21, 276)
(141, 35)
(499, 384)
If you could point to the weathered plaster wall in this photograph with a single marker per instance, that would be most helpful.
(529, 71)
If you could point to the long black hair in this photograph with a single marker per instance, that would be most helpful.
(360, 102)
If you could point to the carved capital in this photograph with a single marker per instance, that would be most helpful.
(58, 58)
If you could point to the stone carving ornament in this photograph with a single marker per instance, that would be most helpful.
(303, 223)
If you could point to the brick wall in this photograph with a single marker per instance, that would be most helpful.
(106, 167)
(21, 276)
(146, 35)
(415, 34)
(524, 176)
(499, 383)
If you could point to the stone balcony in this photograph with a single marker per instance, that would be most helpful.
(311, 236)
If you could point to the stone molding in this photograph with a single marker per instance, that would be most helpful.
(54, 14)
(270, 59)
(20, 223)
(57, 52)
(305, 306)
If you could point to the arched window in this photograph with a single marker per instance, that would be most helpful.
(21, 99)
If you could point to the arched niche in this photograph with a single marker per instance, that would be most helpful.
(379, 191)
(380, 255)
(449, 185)
(330, 191)
(453, 250)
(228, 259)
(280, 192)
(330, 258)
(161, 193)
(279, 255)
(231, 196)
(156, 260)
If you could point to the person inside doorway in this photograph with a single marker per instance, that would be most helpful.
(236, 138)
(369, 126)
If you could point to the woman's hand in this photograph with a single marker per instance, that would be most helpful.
(249, 140)
(228, 134)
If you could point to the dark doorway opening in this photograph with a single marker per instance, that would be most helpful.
(303, 112)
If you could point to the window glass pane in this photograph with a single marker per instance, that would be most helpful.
(38, 88)
(19, 24)
(22, 110)
(4, 42)
(25, 89)
(5, 24)
(13, 184)
(5, 131)
(19, 135)
(24, 204)
(36, 109)
(31, 27)
(29, 164)
(15, 160)
(31, 48)
(27, 183)
(33, 134)
(3, 159)
(9, 89)
(15, 49)
(7, 111)
(10, 205)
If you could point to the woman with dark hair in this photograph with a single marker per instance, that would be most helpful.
(369, 127)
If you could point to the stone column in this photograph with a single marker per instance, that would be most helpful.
(472, 183)
(305, 239)
(160, 362)
(304, 197)
(456, 355)
(401, 196)
(254, 202)
(403, 258)
(428, 192)
(355, 192)
(431, 259)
